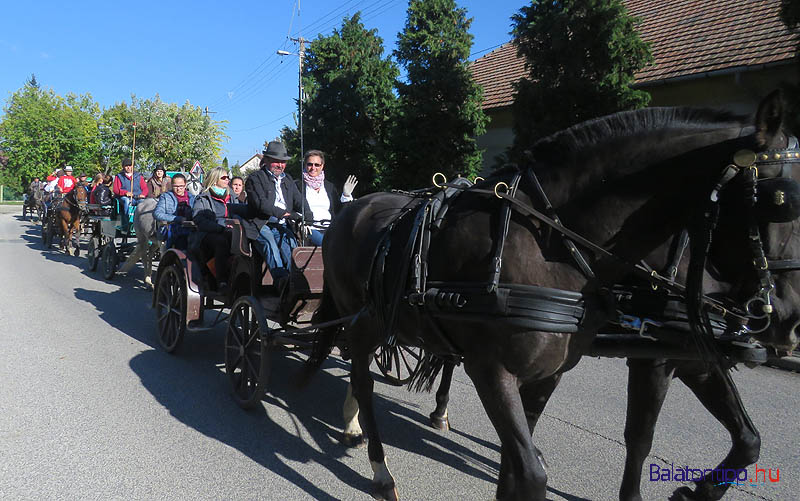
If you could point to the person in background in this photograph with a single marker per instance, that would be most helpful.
(100, 194)
(158, 183)
(66, 182)
(35, 186)
(129, 187)
(173, 208)
(322, 196)
(237, 187)
(212, 237)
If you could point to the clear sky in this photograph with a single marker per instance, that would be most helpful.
(216, 54)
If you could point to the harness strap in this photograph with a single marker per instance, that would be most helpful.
(580, 261)
(505, 219)
(637, 270)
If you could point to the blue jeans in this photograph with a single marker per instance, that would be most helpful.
(276, 243)
(316, 237)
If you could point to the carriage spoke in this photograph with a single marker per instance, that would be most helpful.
(405, 361)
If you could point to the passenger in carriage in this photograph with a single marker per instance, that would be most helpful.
(322, 196)
(66, 183)
(129, 187)
(173, 208)
(101, 193)
(275, 201)
(212, 238)
(159, 183)
(237, 187)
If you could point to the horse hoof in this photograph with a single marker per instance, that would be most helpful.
(148, 281)
(683, 494)
(385, 492)
(354, 441)
(440, 423)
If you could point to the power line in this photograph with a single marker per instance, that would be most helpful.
(265, 124)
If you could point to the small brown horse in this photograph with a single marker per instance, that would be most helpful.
(68, 216)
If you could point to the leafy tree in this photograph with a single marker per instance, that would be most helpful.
(581, 56)
(349, 104)
(440, 110)
(168, 135)
(41, 131)
(225, 163)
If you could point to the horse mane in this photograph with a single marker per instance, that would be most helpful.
(625, 143)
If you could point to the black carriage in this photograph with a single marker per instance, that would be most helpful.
(111, 238)
(262, 316)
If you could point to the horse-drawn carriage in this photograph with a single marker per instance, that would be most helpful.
(112, 237)
(263, 315)
(62, 218)
(522, 271)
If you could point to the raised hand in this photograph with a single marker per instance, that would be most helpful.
(349, 186)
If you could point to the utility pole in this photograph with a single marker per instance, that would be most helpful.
(301, 54)
(207, 112)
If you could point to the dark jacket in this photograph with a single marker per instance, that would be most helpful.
(260, 187)
(208, 215)
(101, 195)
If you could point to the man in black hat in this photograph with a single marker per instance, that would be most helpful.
(274, 200)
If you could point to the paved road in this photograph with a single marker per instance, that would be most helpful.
(92, 409)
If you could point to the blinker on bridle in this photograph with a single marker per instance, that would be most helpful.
(774, 199)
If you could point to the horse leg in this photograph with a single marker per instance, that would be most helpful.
(66, 234)
(439, 419)
(148, 264)
(353, 436)
(534, 399)
(521, 474)
(648, 382)
(134, 257)
(383, 483)
(723, 402)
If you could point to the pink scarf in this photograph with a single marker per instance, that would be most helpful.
(314, 182)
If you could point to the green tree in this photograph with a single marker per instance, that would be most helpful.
(349, 103)
(168, 135)
(440, 111)
(581, 56)
(41, 131)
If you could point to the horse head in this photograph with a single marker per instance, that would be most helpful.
(760, 209)
(80, 197)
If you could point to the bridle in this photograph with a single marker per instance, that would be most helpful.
(746, 162)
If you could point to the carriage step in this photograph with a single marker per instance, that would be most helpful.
(632, 346)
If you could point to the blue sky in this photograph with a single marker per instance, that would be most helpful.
(216, 54)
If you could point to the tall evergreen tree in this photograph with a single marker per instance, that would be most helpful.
(581, 56)
(440, 110)
(349, 103)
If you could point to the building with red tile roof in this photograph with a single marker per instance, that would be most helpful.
(727, 53)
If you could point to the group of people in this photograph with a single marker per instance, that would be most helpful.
(275, 202)
(270, 203)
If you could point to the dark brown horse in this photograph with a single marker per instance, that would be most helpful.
(629, 182)
(68, 216)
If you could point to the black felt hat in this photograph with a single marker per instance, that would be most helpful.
(276, 150)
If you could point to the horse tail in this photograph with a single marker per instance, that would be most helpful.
(429, 367)
(326, 337)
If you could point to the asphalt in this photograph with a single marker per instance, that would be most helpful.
(94, 409)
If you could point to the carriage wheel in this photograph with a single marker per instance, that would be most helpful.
(247, 351)
(171, 308)
(398, 364)
(93, 254)
(109, 259)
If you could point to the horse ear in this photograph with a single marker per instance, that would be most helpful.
(769, 118)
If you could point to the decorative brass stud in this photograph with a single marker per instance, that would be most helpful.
(744, 158)
(780, 198)
(777, 156)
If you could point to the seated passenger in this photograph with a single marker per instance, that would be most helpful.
(173, 208)
(274, 200)
(158, 183)
(322, 196)
(212, 238)
(66, 183)
(50, 191)
(129, 187)
(101, 193)
(237, 187)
